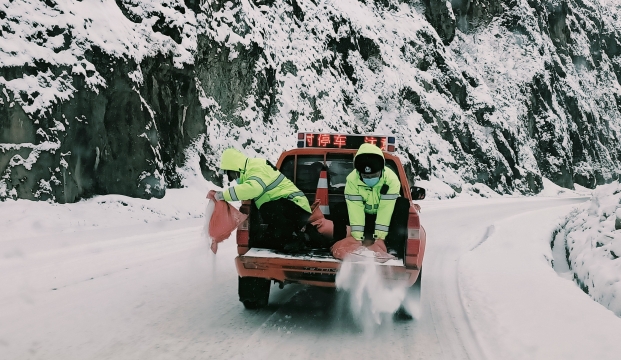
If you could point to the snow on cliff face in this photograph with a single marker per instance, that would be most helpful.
(116, 96)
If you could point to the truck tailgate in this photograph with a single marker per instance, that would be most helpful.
(312, 269)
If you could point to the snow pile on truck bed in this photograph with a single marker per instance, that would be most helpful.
(592, 239)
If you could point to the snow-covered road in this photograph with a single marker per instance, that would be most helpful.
(154, 291)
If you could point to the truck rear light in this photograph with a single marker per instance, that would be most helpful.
(411, 262)
(413, 243)
(413, 247)
(414, 234)
(301, 140)
(243, 235)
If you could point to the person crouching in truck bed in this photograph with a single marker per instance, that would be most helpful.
(378, 215)
(282, 206)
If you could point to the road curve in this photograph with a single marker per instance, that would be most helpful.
(154, 291)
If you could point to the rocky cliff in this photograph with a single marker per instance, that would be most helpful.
(128, 96)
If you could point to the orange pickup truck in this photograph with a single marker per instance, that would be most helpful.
(258, 266)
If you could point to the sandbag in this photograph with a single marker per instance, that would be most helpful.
(345, 247)
(316, 213)
(209, 208)
(354, 250)
(324, 226)
(380, 252)
(224, 220)
(378, 246)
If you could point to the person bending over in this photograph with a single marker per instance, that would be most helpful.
(282, 206)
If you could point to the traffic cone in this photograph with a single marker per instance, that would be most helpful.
(322, 192)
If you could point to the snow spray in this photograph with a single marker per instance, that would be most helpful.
(371, 298)
(209, 209)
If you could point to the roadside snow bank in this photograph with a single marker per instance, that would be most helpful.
(592, 239)
(438, 189)
(551, 189)
(520, 308)
(24, 218)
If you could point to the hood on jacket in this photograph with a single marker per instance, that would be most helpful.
(369, 159)
(233, 159)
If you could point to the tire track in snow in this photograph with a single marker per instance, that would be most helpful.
(445, 246)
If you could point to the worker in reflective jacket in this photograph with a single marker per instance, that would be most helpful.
(371, 194)
(282, 206)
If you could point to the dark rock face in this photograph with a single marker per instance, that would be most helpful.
(487, 91)
(586, 151)
(471, 14)
(442, 18)
(110, 142)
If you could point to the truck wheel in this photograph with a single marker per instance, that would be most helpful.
(414, 290)
(413, 294)
(253, 292)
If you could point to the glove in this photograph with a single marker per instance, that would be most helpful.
(215, 195)
(378, 246)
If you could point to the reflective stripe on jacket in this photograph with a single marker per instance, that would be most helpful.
(259, 181)
(362, 199)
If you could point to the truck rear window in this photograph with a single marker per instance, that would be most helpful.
(305, 174)
(339, 166)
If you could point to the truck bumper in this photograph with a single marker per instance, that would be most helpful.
(316, 271)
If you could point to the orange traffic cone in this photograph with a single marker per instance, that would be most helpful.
(322, 192)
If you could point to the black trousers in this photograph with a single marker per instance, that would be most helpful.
(398, 231)
(281, 219)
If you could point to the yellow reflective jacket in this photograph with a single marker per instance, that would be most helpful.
(259, 181)
(361, 199)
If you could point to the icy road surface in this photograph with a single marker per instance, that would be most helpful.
(155, 291)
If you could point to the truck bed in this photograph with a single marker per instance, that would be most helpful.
(313, 255)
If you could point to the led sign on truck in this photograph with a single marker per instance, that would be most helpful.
(343, 141)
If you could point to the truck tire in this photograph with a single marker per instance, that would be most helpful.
(413, 294)
(253, 292)
(414, 290)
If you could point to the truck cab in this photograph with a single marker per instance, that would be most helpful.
(258, 265)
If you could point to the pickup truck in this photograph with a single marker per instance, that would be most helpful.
(258, 265)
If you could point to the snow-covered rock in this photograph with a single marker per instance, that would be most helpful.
(101, 97)
(592, 242)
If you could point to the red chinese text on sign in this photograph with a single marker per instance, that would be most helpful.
(383, 143)
(309, 140)
(370, 140)
(323, 140)
(339, 140)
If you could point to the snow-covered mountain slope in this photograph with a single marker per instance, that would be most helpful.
(124, 96)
